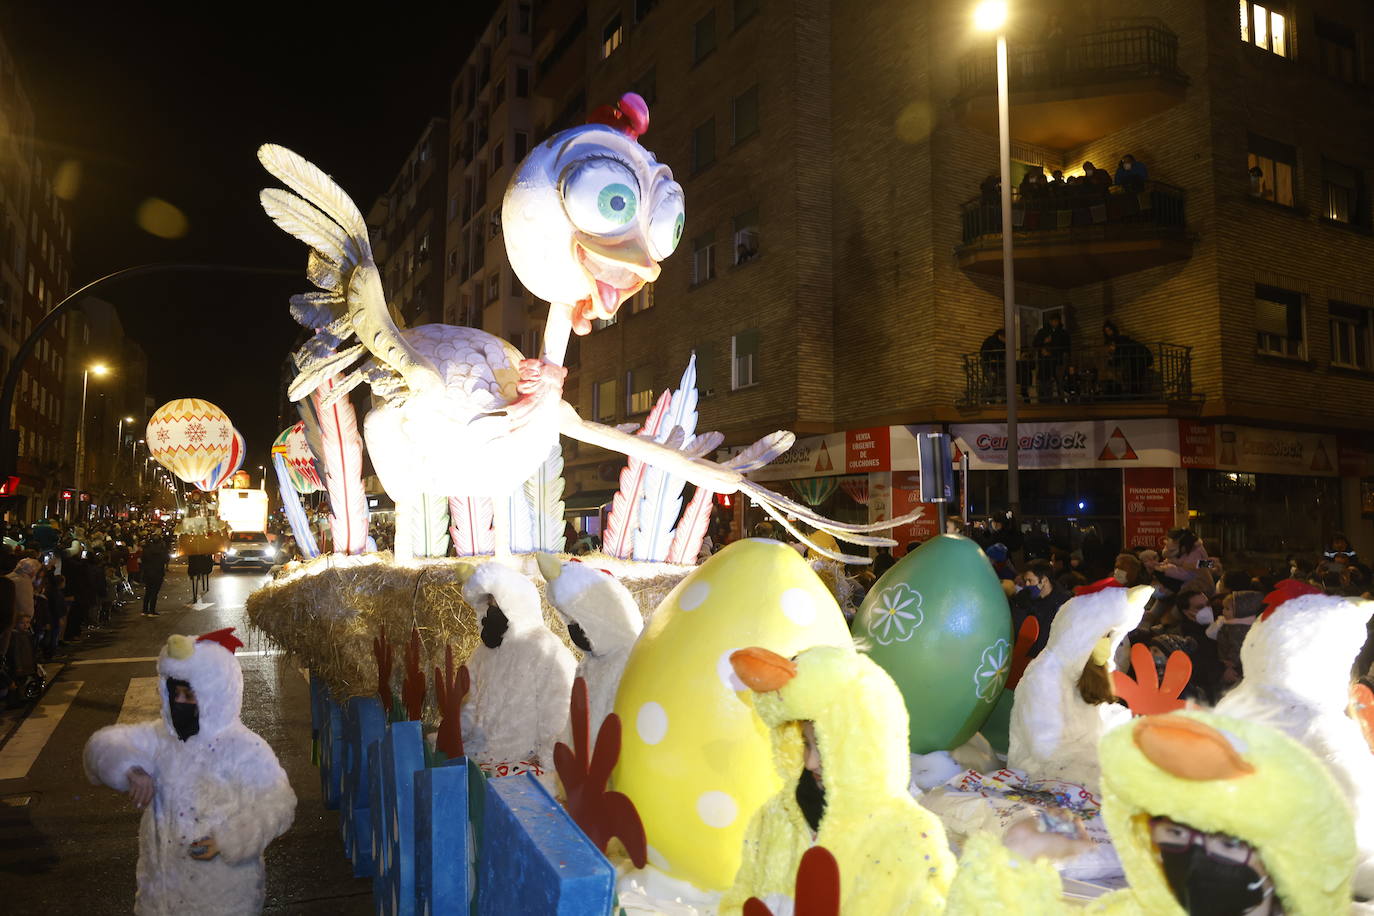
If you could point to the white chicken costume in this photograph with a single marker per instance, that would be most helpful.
(603, 621)
(1297, 664)
(522, 676)
(222, 782)
(1054, 731)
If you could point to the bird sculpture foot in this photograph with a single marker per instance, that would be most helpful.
(541, 382)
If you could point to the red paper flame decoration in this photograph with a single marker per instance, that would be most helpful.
(1145, 694)
(600, 814)
(1286, 590)
(818, 887)
(381, 650)
(1099, 586)
(224, 637)
(449, 691)
(413, 687)
(1020, 653)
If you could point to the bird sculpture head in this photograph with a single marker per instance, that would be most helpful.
(590, 213)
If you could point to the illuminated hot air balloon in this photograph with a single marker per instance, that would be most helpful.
(226, 468)
(300, 461)
(189, 437)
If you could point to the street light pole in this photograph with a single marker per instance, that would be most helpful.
(993, 15)
(98, 369)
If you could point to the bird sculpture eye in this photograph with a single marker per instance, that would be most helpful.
(600, 196)
(665, 226)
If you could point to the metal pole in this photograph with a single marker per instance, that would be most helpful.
(81, 440)
(1008, 275)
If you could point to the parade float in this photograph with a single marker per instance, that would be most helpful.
(504, 728)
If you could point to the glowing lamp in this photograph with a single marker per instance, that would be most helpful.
(990, 15)
(189, 437)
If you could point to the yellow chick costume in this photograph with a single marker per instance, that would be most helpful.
(1287, 808)
(892, 853)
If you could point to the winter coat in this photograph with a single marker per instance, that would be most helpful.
(223, 782)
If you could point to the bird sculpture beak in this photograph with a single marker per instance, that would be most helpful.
(549, 566)
(762, 670)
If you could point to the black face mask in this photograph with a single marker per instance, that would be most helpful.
(579, 637)
(494, 625)
(1206, 887)
(185, 716)
(811, 799)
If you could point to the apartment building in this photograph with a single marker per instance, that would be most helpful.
(407, 229)
(841, 266)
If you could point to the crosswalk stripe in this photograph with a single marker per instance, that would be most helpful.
(258, 653)
(141, 701)
(19, 753)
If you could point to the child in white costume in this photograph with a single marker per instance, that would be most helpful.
(218, 794)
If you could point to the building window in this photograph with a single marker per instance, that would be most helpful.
(647, 86)
(498, 153)
(746, 111)
(747, 236)
(1271, 167)
(1351, 341)
(453, 262)
(1338, 49)
(639, 392)
(498, 94)
(522, 145)
(500, 29)
(524, 18)
(494, 287)
(1264, 27)
(704, 37)
(1279, 322)
(643, 8)
(641, 301)
(424, 249)
(703, 258)
(744, 11)
(706, 369)
(601, 324)
(703, 144)
(522, 82)
(1343, 194)
(517, 289)
(603, 400)
(744, 359)
(610, 37)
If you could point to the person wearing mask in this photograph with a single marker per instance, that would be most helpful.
(1039, 596)
(1128, 360)
(1131, 174)
(1191, 617)
(1051, 345)
(1097, 179)
(1186, 561)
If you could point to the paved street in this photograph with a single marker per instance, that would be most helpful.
(69, 847)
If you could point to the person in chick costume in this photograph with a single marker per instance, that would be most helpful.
(212, 791)
(522, 677)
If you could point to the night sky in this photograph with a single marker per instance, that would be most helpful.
(171, 102)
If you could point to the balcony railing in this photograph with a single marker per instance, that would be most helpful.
(1137, 371)
(1121, 50)
(1079, 215)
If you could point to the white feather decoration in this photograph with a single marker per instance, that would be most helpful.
(307, 180)
(522, 537)
(470, 525)
(429, 534)
(544, 501)
(662, 499)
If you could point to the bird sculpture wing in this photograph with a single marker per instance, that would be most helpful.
(350, 300)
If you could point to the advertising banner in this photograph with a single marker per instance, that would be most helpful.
(1252, 450)
(868, 450)
(1147, 505)
(1072, 444)
(906, 496)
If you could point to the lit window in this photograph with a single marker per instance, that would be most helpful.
(1279, 321)
(1343, 194)
(1263, 27)
(747, 236)
(610, 37)
(1351, 341)
(641, 301)
(703, 145)
(704, 36)
(1271, 166)
(703, 258)
(744, 359)
(639, 392)
(746, 112)
(603, 400)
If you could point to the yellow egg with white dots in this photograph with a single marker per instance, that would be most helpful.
(695, 759)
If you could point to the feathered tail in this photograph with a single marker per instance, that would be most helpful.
(295, 514)
(341, 458)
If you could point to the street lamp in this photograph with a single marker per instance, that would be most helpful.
(262, 472)
(119, 445)
(991, 16)
(98, 369)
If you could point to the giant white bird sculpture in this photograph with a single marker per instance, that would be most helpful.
(460, 412)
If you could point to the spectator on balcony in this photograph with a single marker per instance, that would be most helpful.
(1057, 186)
(1051, 345)
(1128, 362)
(1034, 186)
(993, 355)
(1096, 179)
(1258, 186)
(1131, 174)
(990, 190)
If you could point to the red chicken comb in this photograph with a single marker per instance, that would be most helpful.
(224, 637)
(1284, 591)
(630, 115)
(1098, 586)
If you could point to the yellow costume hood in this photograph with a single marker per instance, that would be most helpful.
(892, 853)
(1228, 776)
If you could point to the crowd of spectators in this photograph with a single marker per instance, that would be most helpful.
(58, 583)
(1121, 367)
(1039, 192)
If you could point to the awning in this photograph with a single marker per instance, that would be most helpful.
(587, 501)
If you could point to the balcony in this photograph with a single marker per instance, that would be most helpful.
(1080, 237)
(1064, 95)
(1138, 372)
